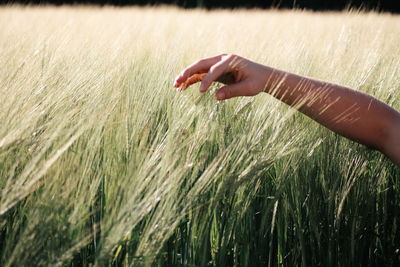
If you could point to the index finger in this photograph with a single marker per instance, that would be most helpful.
(200, 66)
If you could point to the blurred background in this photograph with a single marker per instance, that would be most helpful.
(381, 5)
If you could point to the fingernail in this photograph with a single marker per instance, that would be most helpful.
(220, 96)
(201, 88)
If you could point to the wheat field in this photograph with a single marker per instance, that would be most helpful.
(103, 163)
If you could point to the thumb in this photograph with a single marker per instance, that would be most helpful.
(233, 90)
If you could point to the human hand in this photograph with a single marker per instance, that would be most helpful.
(241, 76)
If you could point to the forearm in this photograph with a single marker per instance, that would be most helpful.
(350, 113)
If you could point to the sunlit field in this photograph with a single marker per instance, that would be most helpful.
(103, 163)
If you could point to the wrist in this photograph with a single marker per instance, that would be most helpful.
(268, 75)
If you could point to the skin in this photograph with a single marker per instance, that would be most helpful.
(355, 115)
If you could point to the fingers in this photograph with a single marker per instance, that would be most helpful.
(234, 90)
(200, 66)
(215, 71)
(191, 80)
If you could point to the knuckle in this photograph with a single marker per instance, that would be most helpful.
(185, 73)
(232, 56)
(226, 57)
(213, 68)
(200, 61)
(229, 56)
(231, 59)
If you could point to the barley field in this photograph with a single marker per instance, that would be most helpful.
(103, 163)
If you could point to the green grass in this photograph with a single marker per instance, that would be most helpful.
(103, 163)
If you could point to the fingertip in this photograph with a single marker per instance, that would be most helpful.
(177, 81)
(202, 88)
(220, 95)
(204, 85)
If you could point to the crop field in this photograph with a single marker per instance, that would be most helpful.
(103, 163)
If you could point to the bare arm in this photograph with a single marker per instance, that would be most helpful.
(355, 115)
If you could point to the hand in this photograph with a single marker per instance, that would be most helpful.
(241, 76)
